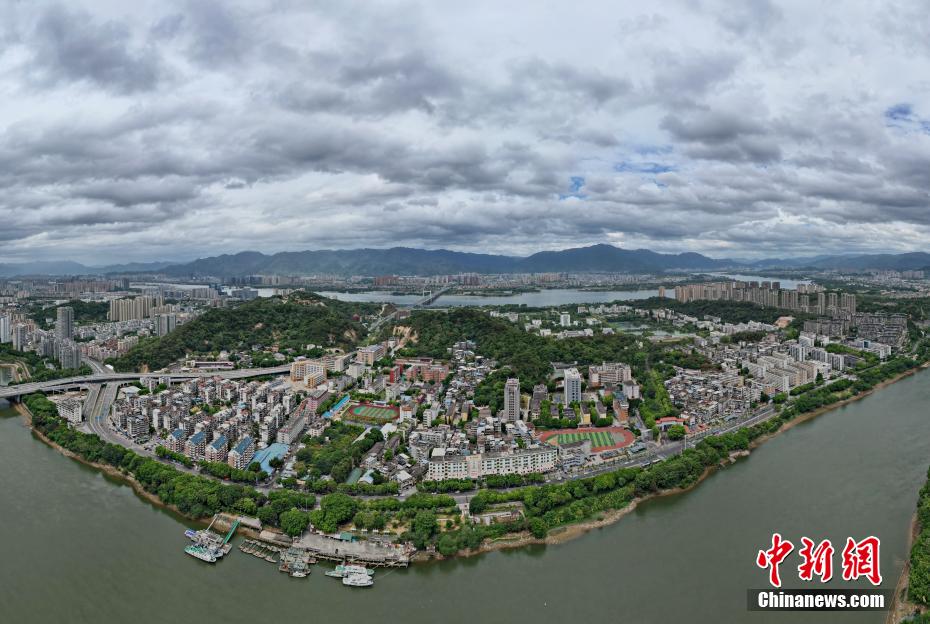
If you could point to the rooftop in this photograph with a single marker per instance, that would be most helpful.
(272, 451)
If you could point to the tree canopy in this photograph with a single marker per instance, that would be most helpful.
(292, 323)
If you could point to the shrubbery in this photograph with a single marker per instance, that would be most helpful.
(225, 471)
(166, 453)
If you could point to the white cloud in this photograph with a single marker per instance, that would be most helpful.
(181, 129)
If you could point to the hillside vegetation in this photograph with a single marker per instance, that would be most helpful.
(727, 311)
(85, 312)
(301, 319)
(530, 356)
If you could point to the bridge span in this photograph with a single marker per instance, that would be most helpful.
(433, 296)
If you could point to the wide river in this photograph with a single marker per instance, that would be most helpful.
(542, 298)
(79, 547)
(539, 299)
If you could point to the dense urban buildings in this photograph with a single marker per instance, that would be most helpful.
(430, 419)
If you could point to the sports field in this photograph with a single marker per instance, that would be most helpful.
(601, 439)
(373, 413)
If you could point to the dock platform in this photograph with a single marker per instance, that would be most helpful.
(368, 553)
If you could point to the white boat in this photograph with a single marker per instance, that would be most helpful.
(343, 571)
(357, 580)
(201, 553)
(357, 569)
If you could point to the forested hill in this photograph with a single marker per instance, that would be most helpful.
(84, 312)
(291, 323)
(528, 355)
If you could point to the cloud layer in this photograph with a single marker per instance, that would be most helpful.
(159, 130)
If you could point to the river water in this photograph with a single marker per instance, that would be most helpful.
(79, 547)
(539, 299)
(542, 298)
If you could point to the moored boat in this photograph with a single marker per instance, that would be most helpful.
(198, 552)
(343, 571)
(358, 580)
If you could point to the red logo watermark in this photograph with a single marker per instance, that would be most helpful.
(859, 559)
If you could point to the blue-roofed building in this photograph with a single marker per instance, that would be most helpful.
(217, 450)
(196, 446)
(241, 455)
(272, 451)
(175, 441)
(335, 408)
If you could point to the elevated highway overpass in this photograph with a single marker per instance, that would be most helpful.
(19, 390)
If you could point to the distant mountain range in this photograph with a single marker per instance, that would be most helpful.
(596, 258)
(410, 261)
(888, 262)
(66, 267)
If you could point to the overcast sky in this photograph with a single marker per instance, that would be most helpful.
(174, 130)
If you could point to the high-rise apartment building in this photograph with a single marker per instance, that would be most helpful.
(69, 354)
(19, 337)
(136, 308)
(512, 400)
(572, 386)
(166, 323)
(64, 325)
(848, 302)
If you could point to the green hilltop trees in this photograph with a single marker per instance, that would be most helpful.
(301, 319)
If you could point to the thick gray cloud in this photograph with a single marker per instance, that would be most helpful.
(183, 128)
(70, 45)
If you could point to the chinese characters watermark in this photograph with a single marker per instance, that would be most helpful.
(860, 559)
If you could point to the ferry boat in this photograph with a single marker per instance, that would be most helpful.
(199, 552)
(357, 580)
(342, 571)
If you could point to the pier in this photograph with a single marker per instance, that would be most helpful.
(368, 553)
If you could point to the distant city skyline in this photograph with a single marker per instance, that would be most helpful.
(178, 130)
